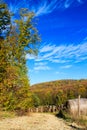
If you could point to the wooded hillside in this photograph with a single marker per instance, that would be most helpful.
(58, 92)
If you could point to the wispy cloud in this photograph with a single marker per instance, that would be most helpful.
(60, 73)
(68, 3)
(46, 7)
(66, 66)
(41, 7)
(41, 66)
(80, 1)
(47, 48)
(30, 56)
(62, 53)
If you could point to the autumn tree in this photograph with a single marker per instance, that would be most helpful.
(5, 26)
(22, 40)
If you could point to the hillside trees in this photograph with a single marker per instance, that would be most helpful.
(58, 92)
(36, 100)
(21, 40)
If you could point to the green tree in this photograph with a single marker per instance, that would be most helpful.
(5, 25)
(22, 40)
(36, 100)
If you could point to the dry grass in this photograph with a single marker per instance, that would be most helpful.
(81, 120)
(78, 122)
(7, 114)
(36, 121)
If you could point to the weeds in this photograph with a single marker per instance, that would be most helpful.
(7, 114)
(75, 121)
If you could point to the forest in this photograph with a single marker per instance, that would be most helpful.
(58, 92)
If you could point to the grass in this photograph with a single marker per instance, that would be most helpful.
(7, 114)
(80, 121)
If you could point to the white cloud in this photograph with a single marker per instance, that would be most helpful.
(30, 57)
(41, 66)
(41, 7)
(46, 7)
(62, 53)
(38, 68)
(59, 73)
(58, 61)
(66, 66)
(40, 63)
(68, 3)
(47, 48)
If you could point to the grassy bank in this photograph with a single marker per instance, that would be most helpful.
(78, 122)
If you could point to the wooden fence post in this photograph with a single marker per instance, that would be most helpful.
(79, 105)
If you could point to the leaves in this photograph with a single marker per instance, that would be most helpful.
(21, 39)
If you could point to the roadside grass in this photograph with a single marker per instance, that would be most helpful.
(7, 114)
(81, 120)
(75, 121)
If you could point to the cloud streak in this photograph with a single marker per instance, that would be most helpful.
(41, 7)
(66, 66)
(41, 66)
(62, 53)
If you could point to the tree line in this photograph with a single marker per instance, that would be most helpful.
(58, 92)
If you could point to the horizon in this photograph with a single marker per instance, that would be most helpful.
(62, 25)
(58, 80)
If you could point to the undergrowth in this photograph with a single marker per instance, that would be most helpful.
(79, 120)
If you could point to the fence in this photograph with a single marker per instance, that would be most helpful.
(44, 109)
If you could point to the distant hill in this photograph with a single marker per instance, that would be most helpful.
(57, 92)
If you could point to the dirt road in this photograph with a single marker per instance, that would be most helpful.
(36, 121)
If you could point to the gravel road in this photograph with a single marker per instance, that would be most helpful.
(35, 121)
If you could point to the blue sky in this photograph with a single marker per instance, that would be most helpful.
(63, 49)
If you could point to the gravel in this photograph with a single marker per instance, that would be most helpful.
(35, 121)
